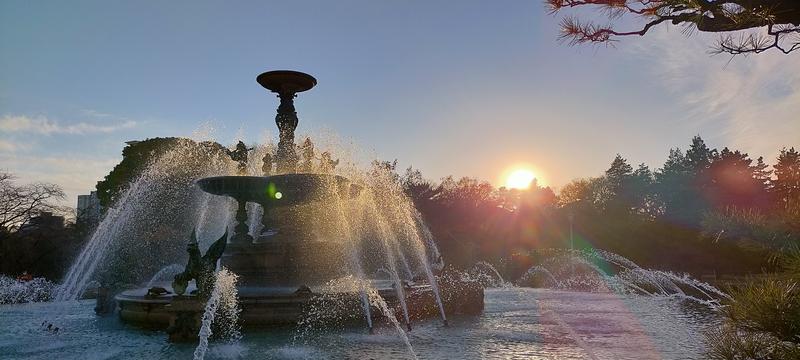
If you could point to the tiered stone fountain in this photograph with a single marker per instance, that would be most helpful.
(284, 267)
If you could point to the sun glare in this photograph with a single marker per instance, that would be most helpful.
(520, 179)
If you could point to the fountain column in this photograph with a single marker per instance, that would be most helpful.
(286, 84)
(287, 122)
(240, 234)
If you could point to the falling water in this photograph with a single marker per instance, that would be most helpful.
(486, 274)
(165, 273)
(390, 220)
(423, 259)
(535, 270)
(225, 295)
(378, 301)
(216, 212)
(354, 254)
(386, 238)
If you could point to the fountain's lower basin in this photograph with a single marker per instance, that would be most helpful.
(263, 307)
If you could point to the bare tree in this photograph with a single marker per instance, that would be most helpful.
(19, 203)
(780, 20)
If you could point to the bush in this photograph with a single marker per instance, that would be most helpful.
(762, 321)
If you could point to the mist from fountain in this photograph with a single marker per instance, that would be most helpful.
(14, 291)
(162, 199)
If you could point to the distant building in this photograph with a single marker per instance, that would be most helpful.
(45, 221)
(89, 209)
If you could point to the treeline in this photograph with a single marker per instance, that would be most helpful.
(37, 236)
(705, 211)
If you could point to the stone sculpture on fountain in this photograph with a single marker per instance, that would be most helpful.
(200, 268)
(240, 156)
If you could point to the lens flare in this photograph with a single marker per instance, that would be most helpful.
(520, 179)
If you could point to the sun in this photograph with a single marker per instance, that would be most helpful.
(520, 179)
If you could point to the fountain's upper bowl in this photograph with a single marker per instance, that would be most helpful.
(281, 190)
(286, 81)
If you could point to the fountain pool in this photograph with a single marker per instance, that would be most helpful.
(516, 323)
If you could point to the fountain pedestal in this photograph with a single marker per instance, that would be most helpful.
(184, 314)
(281, 263)
(240, 235)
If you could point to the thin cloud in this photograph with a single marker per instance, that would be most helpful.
(96, 114)
(8, 146)
(45, 126)
(750, 103)
(75, 173)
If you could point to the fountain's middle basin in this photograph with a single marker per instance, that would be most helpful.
(280, 190)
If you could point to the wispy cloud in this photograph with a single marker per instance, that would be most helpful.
(9, 146)
(43, 125)
(96, 114)
(751, 103)
(75, 173)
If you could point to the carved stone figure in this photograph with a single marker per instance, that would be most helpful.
(307, 151)
(326, 164)
(240, 156)
(200, 268)
(266, 168)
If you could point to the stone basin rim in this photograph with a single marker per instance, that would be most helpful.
(303, 186)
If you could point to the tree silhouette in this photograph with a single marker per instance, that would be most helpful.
(733, 181)
(618, 179)
(787, 179)
(781, 18)
(20, 203)
(639, 192)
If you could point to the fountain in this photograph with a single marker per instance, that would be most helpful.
(311, 236)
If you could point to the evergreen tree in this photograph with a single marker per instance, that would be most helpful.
(699, 156)
(622, 197)
(787, 179)
(673, 188)
(619, 172)
(761, 174)
(733, 181)
(640, 191)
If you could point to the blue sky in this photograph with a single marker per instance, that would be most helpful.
(467, 88)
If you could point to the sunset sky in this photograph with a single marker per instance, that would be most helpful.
(467, 88)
